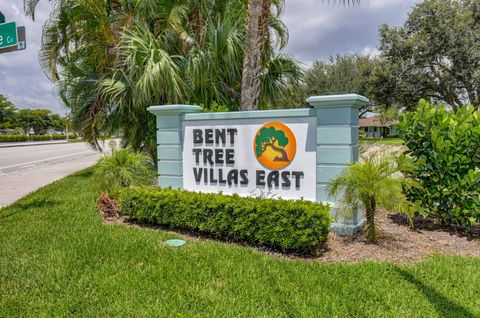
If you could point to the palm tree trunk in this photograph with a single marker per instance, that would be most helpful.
(258, 12)
(370, 225)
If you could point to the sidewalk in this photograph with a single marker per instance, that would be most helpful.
(16, 184)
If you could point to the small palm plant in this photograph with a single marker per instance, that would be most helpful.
(122, 169)
(374, 182)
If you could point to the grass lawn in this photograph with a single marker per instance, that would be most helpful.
(76, 140)
(388, 141)
(57, 258)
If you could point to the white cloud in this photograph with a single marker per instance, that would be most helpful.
(17, 11)
(319, 29)
(368, 50)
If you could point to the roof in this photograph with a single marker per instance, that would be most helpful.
(375, 122)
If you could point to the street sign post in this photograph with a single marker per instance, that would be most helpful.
(8, 35)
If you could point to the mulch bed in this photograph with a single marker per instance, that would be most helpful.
(399, 244)
(402, 244)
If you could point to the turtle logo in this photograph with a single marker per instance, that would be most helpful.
(275, 145)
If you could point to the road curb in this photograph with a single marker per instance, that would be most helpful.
(27, 144)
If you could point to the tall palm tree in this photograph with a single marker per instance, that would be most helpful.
(257, 36)
(374, 182)
(259, 15)
(111, 59)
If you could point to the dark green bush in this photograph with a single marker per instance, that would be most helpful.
(13, 138)
(61, 137)
(19, 138)
(285, 225)
(40, 137)
(446, 149)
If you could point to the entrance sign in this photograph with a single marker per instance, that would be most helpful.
(8, 34)
(289, 153)
(251, 157)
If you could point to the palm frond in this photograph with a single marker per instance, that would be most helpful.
(375, 181)
(29, 7)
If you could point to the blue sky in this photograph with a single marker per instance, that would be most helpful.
(317, 30)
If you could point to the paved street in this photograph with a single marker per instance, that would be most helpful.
(25, 169)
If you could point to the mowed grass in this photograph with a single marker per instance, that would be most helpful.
(389, 141)
(57, 258)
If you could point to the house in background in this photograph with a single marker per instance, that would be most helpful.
(374, 127)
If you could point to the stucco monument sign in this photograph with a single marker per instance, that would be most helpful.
(289, 154)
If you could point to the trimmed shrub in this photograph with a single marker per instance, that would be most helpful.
(446, 149)
(13, 138)
(19, 138)
(286, 225)
(61, 137)
(40, 137)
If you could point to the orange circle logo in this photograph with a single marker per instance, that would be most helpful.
(274, 146)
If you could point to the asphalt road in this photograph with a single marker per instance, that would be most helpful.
(25, 169)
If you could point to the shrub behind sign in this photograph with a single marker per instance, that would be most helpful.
(446, 146)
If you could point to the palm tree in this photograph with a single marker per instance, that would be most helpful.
(111, 59)
(257, 35)
(374, 182)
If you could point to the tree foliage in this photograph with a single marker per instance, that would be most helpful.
(7, 113)
(38, 120)
(113, 59)
(446, 149)
(435, 54)
(343, 74)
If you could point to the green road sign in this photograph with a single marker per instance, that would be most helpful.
(21, 43)
(2, 18)
(8, 34)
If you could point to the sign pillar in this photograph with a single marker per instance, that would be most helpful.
(170, 143)
(288, 153)
(337, 147)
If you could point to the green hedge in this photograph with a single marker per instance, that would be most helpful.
(19, 138)
(13, 138)
(446, 149)
(286, 225)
